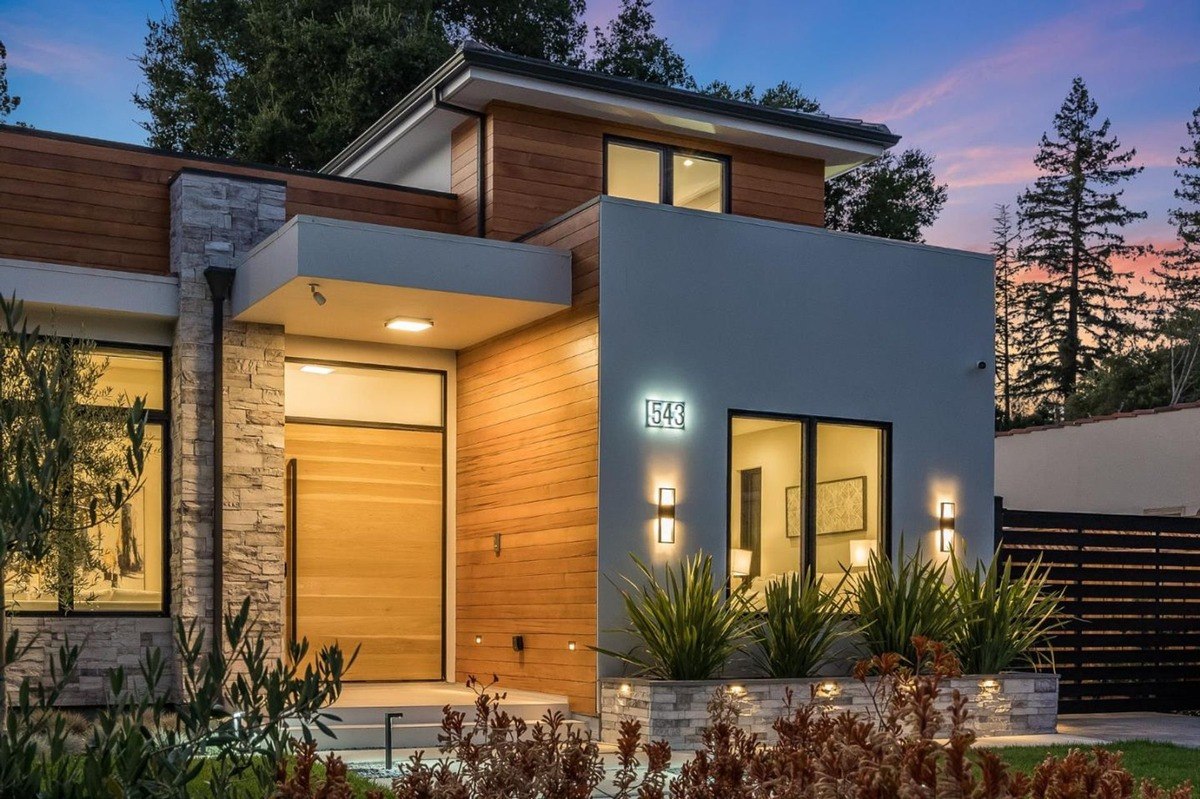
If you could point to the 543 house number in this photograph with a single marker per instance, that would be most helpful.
(665, 414)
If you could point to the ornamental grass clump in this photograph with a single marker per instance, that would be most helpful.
(1006, 618)
(686, 626)
(900, 601)
(801, 621)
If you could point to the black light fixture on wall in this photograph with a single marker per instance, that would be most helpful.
(666, 515)
(946, 515)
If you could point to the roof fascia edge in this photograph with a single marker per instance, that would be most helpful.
(465, 58)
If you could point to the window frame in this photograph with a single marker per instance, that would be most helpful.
(809, 424)
(667, 153)
(156, 417)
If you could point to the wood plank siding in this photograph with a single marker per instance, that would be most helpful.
(81, 202)
(528, 438)
(542, 164)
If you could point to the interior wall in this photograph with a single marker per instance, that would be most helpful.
(843, 452)
(777, 452)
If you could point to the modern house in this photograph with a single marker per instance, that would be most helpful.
(533, 320)
(1136, 462)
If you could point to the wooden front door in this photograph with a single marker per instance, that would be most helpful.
(366, 534)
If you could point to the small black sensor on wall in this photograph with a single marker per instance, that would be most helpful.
(518, 643)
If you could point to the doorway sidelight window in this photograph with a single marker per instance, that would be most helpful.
(805, 493)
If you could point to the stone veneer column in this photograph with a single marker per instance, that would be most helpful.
(215, 220)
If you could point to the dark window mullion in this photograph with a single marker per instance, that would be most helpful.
(667, 161)
(809, 550)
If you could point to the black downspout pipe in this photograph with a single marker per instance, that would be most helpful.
(220, 283)
(481, 162)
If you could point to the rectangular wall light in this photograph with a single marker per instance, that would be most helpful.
(666, 516)
(946, 527)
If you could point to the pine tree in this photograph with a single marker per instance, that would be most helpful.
(1177, 277)
(1081, 308)
(629, 47)
(1004, 247)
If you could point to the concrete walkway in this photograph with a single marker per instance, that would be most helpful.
(1090, 729)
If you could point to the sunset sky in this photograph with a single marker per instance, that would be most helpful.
(974, 84)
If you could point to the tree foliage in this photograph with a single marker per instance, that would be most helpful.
(65, 466)
(552, 30)
(894, 196)
(1080, 308)
(1005, 241)
(782, 95)
(8, 102)
(630, 47)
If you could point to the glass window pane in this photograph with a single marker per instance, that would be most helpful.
(766, 516)
(634, 172)
(130, 576)
(129, 374)
(319, 390)
(698, 182)
(849, 499)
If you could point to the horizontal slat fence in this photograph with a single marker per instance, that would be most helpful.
(1132, 594)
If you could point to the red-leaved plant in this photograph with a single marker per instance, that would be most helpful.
(901, 748)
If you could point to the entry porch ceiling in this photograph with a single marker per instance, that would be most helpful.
(471, 289)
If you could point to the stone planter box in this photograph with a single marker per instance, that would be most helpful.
(1005, 704)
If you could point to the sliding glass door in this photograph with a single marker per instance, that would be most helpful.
(805, 493)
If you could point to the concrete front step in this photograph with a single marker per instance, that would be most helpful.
(361, 710)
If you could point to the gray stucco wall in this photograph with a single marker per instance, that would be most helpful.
(728, 313)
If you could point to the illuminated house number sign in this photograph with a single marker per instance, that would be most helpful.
(665, 414)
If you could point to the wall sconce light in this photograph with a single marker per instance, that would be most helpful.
(479, 639)
(740, 561)
(861, 550)
(666, 516)
(571, 645)
(946, 527)
(518, 643)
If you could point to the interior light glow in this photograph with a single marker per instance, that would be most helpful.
(408, 324)
(688, 162)
(740, 561)
(316, 369)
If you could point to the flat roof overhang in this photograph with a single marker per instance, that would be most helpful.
(476, 76)
(471, 289)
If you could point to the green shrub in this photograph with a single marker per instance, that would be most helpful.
(800, 623)
(686, 626)
(239, 712)
(1004, 616)
(897, 602)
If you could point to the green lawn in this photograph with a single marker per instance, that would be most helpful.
(1167, 763)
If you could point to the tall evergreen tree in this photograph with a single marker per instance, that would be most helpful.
(630, 47)
(1177, 277)
(894, 196)
(552, 30)
(1004, 247)
(1080, 308)
(8, 102)
(291, 82)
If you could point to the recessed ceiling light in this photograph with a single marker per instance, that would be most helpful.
(408, 324)
(688, 162)
(316, 369)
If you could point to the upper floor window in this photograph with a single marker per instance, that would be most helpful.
(659, 173)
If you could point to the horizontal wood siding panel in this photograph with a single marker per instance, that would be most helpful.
(527, 468)
(542, 164)
(107, 206)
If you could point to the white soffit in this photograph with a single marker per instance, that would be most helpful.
(472, 289)
(399, 151)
